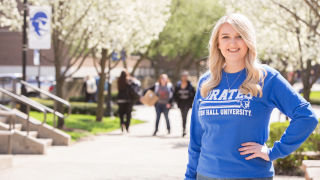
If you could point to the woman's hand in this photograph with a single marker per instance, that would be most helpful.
(255, 149)
(168, 106)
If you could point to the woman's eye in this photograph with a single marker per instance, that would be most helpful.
(239, 37)
(225, 37)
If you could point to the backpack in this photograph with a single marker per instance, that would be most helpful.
(134, 92)
(91, 86)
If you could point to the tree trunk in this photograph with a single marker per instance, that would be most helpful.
(102, 75)
(136, 65)
(59, 91)
(59, 79)
(306, 81)
(124, 62)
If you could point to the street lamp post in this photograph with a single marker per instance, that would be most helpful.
(24, 50)
(24, 40)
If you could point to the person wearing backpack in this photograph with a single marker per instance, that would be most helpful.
(128, 94)
(183, 95)
(90, 89)
(164, 90)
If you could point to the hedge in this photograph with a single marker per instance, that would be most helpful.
(291, 164)
(82, 98)
(78, 107)
(315, 101)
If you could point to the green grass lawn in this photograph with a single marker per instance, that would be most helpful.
(81, 125)
(315, 95)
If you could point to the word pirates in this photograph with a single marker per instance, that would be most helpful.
(226, 102)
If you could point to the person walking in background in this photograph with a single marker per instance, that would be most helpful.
(164, 90)
(90, 89)
(183, 94)
(232, 107)
(127, 97)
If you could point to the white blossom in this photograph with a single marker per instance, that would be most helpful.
(276, 31)
(115, 25)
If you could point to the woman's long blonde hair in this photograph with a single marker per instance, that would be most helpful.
(255, 76)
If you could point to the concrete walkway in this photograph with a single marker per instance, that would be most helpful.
(114, 156)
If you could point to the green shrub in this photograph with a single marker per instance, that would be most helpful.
(315, 101)
(78, 107)
(77, 99)
(291, 164)
(83, 98)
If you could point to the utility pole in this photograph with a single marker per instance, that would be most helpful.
(24, 50)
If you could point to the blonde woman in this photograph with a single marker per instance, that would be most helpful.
(232, 107)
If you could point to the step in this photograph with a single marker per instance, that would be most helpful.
(31, 133)
(22, 144)
(46, 141)
(4, 126)
(44, 130)
(3, 119)
(4, 141)
(311, 169)
(18, 127)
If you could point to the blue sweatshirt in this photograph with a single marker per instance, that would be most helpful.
(225, 119)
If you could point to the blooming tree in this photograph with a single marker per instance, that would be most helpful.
(184, 40)
(129, 25)
(100, 25)
(287, 34)
(10, 16)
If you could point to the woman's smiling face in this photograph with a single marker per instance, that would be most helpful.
(231, 44)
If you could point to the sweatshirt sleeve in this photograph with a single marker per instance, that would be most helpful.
(196, 132)
(303, 119)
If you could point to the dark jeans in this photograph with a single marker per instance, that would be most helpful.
(125, 109)
(184, 113)
(90, 97)
(201, 177)
(162, 108)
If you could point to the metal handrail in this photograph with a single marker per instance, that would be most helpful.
(28, 103)
(4, 108)
(45, 107)
(52, 96)
(12, 121)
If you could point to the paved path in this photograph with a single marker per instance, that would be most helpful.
(113, 156)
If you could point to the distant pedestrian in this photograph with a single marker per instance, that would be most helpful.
(90, 89)
(127, 97)
(183, 95)
(164, 90)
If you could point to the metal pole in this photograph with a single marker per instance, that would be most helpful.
(28, 119)
(54, 114)
(10, 142)
(39, 71)
(109, 90)
(24, 50)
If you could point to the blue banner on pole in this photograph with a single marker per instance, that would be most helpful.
(115, 56)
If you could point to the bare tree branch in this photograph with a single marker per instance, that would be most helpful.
(117, 62)
(297, 17)
(314, 7)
